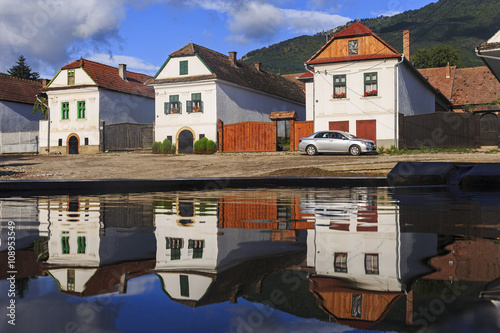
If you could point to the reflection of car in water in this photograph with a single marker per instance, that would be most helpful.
(335, 142)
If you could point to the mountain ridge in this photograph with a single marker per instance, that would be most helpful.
(462, 24)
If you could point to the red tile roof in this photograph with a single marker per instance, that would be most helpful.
(17, 90)
(466, 86)
(356, 29)
(108, 77)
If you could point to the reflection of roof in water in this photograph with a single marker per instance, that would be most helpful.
(354, 307)
(239, 280)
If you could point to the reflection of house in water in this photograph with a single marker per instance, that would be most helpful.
(24, 214)
(213, 249)
(86, 247)
(360, 262)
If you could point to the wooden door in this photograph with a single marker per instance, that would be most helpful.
(367, 129)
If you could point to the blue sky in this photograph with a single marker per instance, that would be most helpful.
(142, 33)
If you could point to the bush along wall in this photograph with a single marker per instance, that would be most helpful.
(204, 146)
(165, 147)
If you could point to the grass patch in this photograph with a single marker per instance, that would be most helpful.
(425, 150)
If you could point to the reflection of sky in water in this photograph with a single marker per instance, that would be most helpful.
(404, 228)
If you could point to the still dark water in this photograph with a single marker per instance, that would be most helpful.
(262, 260)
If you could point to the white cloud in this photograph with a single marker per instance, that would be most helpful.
(311, 22)
(133, 63)
(46, 30)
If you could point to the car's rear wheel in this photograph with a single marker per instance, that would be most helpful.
(354, 150)
(311, 150)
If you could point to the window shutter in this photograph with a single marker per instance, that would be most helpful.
(166, 107)
(179, 106)
(189, 106)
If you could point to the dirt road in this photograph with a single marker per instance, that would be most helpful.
(144, 165)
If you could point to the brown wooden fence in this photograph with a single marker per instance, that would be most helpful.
(440, 129)
(126, 136)
(299, 129)
(247, 137)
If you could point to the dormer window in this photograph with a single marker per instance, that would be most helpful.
(183, 67)
(71, 77)
(353, 47)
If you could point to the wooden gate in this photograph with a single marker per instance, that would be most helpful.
(489, 130)
(128, 136)
(367, 129)
(300, 129)
(247, 137)
(339, 126)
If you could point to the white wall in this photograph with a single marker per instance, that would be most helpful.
(171, 69)
(61, 79)
(201, 123)
(18, 128)
(415, 97)
(237, 104)
(116, 107)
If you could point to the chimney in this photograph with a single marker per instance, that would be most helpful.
(122, 71)
(232, 57)
(448, 70)
(258, 65)
(45, 82)
(406, 44)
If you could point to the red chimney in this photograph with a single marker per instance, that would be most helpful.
(406, 44)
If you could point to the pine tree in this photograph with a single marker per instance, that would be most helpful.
(22, 70)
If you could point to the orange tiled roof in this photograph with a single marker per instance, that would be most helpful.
(465, 86)
(108, 77)
(17, 90)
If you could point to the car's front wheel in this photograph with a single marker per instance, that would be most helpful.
(311, 150)
(354, 150)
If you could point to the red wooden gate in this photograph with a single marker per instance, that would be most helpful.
(367, 129)
(300, 129)
(247, 137)
(339, 126)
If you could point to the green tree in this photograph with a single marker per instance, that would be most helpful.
(438, 56)
(41, 105)
(22, 70)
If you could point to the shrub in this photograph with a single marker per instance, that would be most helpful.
(172, 149)
(210, 147)
(156, 147)
(200, 146)
(166, 146)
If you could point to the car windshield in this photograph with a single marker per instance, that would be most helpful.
(349, 135)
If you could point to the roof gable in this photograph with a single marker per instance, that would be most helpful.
(369, 46)
(107, 77)
(222, 67)
(17, 90)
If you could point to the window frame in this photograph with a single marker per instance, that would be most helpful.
(342, 93)
(195, 101)
(340, 266)
(71, 77)
(173, 102)
(183, 67)
(81, 109)
(64, 110)
(353, 47)
(371, 82)
(374, 269)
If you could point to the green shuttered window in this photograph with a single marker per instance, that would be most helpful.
(195, 104)
(183, 67)
(65, 110)
(173, 106)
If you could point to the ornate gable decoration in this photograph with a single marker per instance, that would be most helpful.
(354, 43)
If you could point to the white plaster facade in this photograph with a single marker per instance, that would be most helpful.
(221, 99)
(103, 106)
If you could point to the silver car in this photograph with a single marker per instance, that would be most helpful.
(335, 142)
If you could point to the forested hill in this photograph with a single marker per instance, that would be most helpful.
(461, 24)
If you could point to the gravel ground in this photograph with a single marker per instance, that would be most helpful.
(144, 165)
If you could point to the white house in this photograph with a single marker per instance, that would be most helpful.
(360, 84)
(85, 94)
(196, 87)
(489, 52)
(18, 127)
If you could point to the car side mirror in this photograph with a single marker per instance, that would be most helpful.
(344, 138)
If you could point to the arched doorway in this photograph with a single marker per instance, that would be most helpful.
(185, 142)
(73, 144)
(489, 130)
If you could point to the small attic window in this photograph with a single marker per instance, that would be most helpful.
(71, 77)
(183, 67)
(353, 47)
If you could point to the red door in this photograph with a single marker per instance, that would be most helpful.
(367, 129)
(339, 126)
